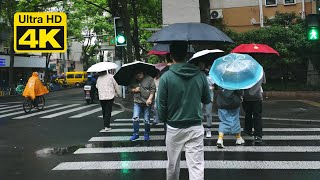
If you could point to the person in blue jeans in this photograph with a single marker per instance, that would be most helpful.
(143, 89)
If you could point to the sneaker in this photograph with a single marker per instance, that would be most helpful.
(220, 143)
(146, 137)
(107, 128)
(208, 133)
(258, 139)
(134, 137)
(239, 141)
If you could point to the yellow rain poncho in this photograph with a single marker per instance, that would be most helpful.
(34, 87)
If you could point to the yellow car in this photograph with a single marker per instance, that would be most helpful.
(77, 78)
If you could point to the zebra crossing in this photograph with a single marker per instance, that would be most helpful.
(15, 111)
(284, 148)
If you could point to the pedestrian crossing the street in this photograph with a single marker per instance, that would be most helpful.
(282, 149)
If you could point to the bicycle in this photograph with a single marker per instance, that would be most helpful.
(28, 104)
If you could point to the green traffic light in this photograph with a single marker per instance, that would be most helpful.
(313, 33)
(120, 39)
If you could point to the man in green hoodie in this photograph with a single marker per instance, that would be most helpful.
(181, 91)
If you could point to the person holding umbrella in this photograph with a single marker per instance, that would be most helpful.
(233, 73)
(143, 89)
(182, 89)
(252, 106)
(107, 90)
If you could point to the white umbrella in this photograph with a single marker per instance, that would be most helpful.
(205, 52)
(102, 66)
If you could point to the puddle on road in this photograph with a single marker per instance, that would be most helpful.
(46, 152)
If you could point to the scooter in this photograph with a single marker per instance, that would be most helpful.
(89, 95)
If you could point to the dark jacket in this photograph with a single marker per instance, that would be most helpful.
(229, 99)
(147, 87)
(180, 93)
(255, 93)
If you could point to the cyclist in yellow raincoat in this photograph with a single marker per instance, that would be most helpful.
(34, 88)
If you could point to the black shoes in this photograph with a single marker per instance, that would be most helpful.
(257, 139)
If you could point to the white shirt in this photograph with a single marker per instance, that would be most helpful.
(107, 87)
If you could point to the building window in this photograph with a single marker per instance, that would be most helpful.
(288, 2)
(271, 2)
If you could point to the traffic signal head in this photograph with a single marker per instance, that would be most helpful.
(313, 33)
(313, 27)
(120, 38)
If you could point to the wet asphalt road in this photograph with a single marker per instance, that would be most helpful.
(66, 144)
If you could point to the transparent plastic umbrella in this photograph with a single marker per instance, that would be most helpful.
(236, 71)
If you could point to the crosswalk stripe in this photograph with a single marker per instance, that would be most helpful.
(161, 137)
(206, 149)
(216, 129)
(87, 113)
(8, 107)
(9, 110)
(113, 113)
(45, 111)
(142, 124)
(129, 124)
(160, 164)
(68, 111)
(3, 105)
(21, 112)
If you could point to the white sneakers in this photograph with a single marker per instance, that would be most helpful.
(208, 133)
(239, 141)
(220, 143)
(107, 129)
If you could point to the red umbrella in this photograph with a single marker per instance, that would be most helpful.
(154, 52)
(254, 48)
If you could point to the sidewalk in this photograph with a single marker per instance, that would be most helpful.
(292, 107)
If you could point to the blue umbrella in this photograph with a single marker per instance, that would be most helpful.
(236, 71)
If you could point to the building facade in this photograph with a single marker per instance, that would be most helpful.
(238, 15)
(244, 15)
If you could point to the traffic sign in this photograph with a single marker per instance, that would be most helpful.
(44, 32)
(2, 62)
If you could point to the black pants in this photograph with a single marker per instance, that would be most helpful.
(106, 111)
(253, 110)
(36, 101)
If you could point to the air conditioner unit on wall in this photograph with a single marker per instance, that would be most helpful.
(216, 14)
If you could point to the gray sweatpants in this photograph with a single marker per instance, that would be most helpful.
(190, 139)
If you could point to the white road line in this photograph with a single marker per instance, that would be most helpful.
(289, 149)
(99, 165)
(158, 129)
(86, 113)
(8, 107)
(130, 130)
(129, 120)
(161, 137)
(44, 111)
(113, 113)
(8, 110)
(68, 111)
(33, 110)
(7, 103)
(129, 124)
(3, 105)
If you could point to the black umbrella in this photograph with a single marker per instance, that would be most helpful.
(161, 49)
(190, 32)
(127, 72)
